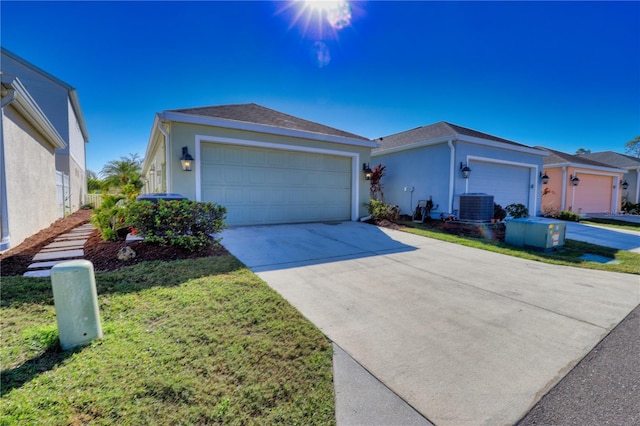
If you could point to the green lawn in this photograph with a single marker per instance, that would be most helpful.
(569, 256)
(186, 342)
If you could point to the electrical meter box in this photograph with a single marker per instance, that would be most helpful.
(76, 302)
(540, 233)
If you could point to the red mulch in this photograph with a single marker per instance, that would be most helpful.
(101, 253)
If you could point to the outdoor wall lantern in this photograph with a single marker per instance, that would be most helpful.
(624, 184)
(465, 170)
(574, 180)
(544, 178)
(186, 160)
(367, 171)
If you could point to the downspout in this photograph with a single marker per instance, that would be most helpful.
(563, 204)
(638, 185)
(167, 153)
(5, 242)
(452, 173)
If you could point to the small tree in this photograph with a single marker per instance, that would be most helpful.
(583, 151)
(118, 173)
(376, 188)
(633, 147)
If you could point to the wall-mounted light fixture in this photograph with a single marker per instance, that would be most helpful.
(574, 180)
(152, 170)
(367, 171)
(465, 170)
(186, 160)
(544, 178)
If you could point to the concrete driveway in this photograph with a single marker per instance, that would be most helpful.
(465, 336)
(608, 237)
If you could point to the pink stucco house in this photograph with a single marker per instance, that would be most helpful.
(578, 184)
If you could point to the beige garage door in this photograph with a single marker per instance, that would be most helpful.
(268, 186)
(593, 193)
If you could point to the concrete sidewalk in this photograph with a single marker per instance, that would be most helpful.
(462, 336)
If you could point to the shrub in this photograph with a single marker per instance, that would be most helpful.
(109, 217)
(380, 210)
(631, 208)
(186, 224)
(570, 216)
(498, 212)
(517, 210)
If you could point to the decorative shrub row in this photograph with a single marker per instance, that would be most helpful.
(379, 210)
(186, 224)
(570, 216)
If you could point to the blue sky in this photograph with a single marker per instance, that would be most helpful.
(565, 75)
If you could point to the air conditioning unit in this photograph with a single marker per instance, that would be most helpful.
(476, 207)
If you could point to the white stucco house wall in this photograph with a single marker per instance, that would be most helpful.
(60, 103)
(264, 166)
(27, 165)
(426, 162)
(43, 140)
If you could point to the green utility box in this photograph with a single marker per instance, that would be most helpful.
(76, 302)
(535, 232)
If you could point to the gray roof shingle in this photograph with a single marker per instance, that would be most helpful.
(614, 159)
(257, 114)
(559, 157)
(438, 130)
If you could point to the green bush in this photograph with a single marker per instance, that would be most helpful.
(109, 217)
(187, 224)
(380, 210)
(631, 208)
(498, 212)
(570, 216)
(517, 210)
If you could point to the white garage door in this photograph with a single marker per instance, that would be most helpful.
(267, 186)
(593, 194)
(507, 183)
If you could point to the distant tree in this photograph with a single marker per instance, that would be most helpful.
(583, 151)
(94, 183)
(633, 147)
(126, 171)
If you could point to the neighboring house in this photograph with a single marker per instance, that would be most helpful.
(27, 165)
(43, 150)
(626, 162)
(264, 166)
(427, 162)
(597, 189)
(59, 102)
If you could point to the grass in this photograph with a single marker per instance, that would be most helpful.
(569, 256)
(186, 342)
(612, 223)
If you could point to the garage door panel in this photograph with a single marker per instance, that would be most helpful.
(593, 194)
(507, 183)
(261, 186)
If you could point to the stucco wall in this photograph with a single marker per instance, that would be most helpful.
(185, 135)
(30, 174)
(425, 170)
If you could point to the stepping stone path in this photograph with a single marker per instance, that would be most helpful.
(65, 247)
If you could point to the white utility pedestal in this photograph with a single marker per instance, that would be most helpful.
(76, 302)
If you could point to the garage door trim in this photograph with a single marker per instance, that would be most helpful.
(533, 176)
(355, 161)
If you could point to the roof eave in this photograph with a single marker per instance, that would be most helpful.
(28, 107)
(262, 128)
(585, 166)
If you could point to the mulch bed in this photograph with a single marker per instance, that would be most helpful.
(103, 254)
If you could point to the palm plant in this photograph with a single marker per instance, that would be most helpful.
(126, 171)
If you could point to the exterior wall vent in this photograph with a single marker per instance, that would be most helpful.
(476, 207)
